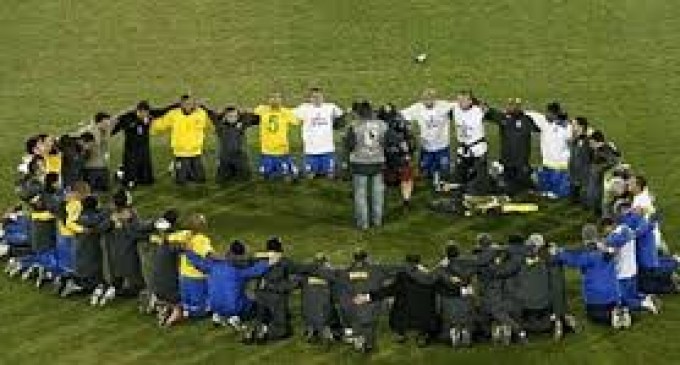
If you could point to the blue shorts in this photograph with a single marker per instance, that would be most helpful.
(554, 181)
(277, 166)
(193, 294)
(64, 255)
(630, 296)
(322, 164)
(435, 161)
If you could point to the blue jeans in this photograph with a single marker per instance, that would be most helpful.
(367, 212)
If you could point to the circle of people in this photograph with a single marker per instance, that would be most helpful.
(62, 233)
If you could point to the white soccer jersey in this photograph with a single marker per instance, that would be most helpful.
(626, 260)
(317, 127)
(644, 202)
(554, 141)
(470, 128)
(434, 123)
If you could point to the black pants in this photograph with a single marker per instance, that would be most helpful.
(233, 167)
(472, 173)
(189, 169)
(137, 168)
(272, 310)
(600, 313)
(98, 178)
(655, 281)
(517, 178)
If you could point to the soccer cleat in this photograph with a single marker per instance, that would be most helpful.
(13, 267)
(651, 304)
(218, 321)
(109, 295)
(41, 277)
(496, 334)
(455, 337)
(521, 337)
(70, 288)
(626, 318)
(506, 335)
(327, 337)
(570, 323)
(4, 250)
(558, 330)
(96, 295)
(465, 338)
(360, 344)
(29, 273)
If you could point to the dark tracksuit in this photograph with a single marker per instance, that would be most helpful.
(515, 130)
(399, 149)
(360, 277)
(89, 257)
(43, 228)
(272, 308)
(496, 270)
(579, 166)
(415, 302)
(456, 310)
(120, 243)
(72, 164)
(536, 295)
(318, 307)
(602, 159)
(137, 161)
(233, 162)
(165, 271)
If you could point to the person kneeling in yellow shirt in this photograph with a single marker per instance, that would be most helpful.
(193, 285)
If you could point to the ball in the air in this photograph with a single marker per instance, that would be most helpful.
(421, 58)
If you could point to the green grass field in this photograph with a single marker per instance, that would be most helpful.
(617, 62)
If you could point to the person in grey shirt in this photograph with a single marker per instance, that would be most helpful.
(95, 139)
(365, 144)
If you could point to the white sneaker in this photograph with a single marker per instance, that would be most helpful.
(465, 338)
(70, 288)
(12, 266)
(96, 295)
(4, 250)
(41, 278)
(454, 337)
(235, 322)
(32, 270)
(651, 304)
(108, 296)
(626, 318)
(616, 318)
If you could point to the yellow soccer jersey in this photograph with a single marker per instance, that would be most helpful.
(70, 227)
(199, 244)
(53, 163)
(274, 126)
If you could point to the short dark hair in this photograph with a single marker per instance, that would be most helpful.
(315, 89)
(100, 117)
(87, 137)
(143, 105)
(31, 143)
(554, 107)
(230, 109)
(598, 136)
(607, 221)
(185, 97)
(363, 108)
(641, 181)
(581, 122)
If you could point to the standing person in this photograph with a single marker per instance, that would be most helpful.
(72, 160)
(515, 129)
(471, 162)
(187, 126)
(579, 158)
(399, 149)
(275, 123)
(365, 143)
(135, 124)
(231, 127)
(319, 119)
(433, 118)
(603, 157)
(553, 177)
(95, 139)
